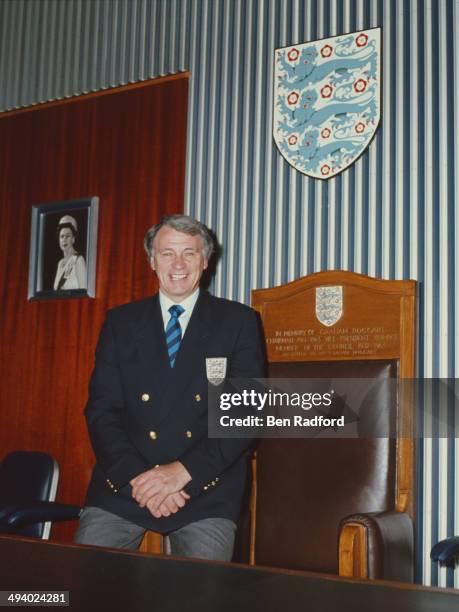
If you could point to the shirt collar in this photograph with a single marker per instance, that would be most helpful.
(188, 303)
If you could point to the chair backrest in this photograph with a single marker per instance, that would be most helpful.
(333, 324)
(29, 476)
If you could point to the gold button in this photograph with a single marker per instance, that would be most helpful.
(188, 434)
(205, 488)
(197, 397)
(145, 397)
(213, 483)
(153, 435)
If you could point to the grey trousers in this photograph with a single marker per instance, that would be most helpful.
(211, 538)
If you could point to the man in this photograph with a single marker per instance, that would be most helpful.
(147, 410)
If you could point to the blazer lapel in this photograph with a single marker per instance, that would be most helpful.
(191, 355)
(169, 382)
(151, 342)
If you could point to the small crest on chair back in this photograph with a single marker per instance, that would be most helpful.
(329, 304)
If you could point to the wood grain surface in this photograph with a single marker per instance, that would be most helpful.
(128, 148)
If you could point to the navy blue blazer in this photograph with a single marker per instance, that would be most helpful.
(142, 413)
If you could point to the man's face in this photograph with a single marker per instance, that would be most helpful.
(178, 261)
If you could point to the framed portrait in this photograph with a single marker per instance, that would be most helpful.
(63, 249)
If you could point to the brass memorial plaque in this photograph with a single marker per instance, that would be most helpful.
(301, 335)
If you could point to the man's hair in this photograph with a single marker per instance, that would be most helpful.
(185, 224)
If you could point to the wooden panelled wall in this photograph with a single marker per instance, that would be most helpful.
(126, 146)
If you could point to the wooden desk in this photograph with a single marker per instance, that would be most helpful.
(104, 579)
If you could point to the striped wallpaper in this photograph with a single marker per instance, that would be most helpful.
(393, 214)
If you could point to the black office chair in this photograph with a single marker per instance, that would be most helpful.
(446, 552)
(28, 485)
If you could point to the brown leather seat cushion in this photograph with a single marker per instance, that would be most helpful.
(305, 487)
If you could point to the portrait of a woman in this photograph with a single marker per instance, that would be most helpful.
(71, 269)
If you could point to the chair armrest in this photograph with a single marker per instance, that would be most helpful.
(377, 545)
(446, 552)
(5, 511)
(20, 515)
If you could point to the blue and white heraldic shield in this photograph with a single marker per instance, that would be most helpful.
(327, 101)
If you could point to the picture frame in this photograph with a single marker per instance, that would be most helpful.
(63, 249)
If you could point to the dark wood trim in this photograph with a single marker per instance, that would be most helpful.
(405, 586)
(95, 94)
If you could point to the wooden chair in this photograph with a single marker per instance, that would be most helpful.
(342, 506)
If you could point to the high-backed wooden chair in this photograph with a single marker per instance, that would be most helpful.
(338, 505)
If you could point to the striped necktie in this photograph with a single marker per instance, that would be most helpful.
(174, 333)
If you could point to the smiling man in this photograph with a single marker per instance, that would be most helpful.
(147, 409)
